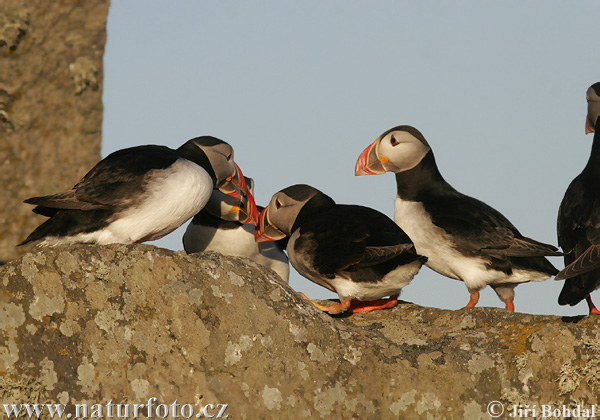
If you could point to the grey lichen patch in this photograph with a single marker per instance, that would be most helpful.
(403, 402)
(11, 316)
(69, 327)
(141, 389)
(29, 265)
(537, 344)
(303, 372)
(326, 399)
(236, 280)
(512, 396)
(353, 355)
(428, 402)
(234, 351)
(219, 294)
(299, 333)
(467, 322)
(44, 306)
(48, 376)
(275, 295)
(9, 354)
(318, 355)
(86, 377)
(68, 263)
(569, 378)
(272, 398)
(108, 318)
(84, 73)
(479, 363)
(474, 411)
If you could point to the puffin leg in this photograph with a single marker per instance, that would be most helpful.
(372, 305)
(593, 309)
(510, 305)
(473, 301)
(336, 308)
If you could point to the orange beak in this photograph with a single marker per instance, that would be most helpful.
(265, 230)
(588, 126)
(236, 179)
(368, 162)
(235, 186)
(248, 209)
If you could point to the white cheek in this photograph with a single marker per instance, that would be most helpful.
(404, 156)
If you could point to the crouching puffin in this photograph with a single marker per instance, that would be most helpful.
(579, 221)
(141, 194)
(218, 227)
(463, 238)
(354, 251)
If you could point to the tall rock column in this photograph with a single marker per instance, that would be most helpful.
(50, 104)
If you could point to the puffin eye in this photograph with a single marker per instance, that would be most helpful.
(229, 156)
(394, 141)
(277, 204)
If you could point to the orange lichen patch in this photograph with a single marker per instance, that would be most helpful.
(63, 352)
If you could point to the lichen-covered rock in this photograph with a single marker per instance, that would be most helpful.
(50, 104)
(127, 323)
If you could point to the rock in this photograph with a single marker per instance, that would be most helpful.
(50, 104)
(127, 323)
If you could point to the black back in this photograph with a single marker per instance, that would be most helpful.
(578, 226)
(475, 228)
(351, 238)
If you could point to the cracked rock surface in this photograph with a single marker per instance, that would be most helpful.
(50, 105)
(130, 322)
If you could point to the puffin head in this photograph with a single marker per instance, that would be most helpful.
(397, 150)
(216, 157)
(230, 209)
(593, 100)
(277, 220)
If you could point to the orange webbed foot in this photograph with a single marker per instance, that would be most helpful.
(336, 308)
(373, 305)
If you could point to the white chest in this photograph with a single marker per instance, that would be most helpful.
(172, 196)
(434, 243)
(237, 242)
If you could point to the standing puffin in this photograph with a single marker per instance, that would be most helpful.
(579, 221)
(354, 251)
(463, 238)
(217, 227)
(141, 194)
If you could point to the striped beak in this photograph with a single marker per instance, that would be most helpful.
(248, 210)
(265, 230)
(235, 186)
(368, 162)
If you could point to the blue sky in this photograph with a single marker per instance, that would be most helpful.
(299, 89)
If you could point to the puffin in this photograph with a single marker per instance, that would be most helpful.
(578, 223)
(354, 251)
(462, 237)
(219, 227)
(141, 194)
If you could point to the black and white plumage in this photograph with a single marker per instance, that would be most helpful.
(141, 194)
(217, 227)
(354, 251)
(463, 238)
(578, 222)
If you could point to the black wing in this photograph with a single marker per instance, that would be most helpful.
(111, 182)
(482, 230)
(349, 238)
(578, 226)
